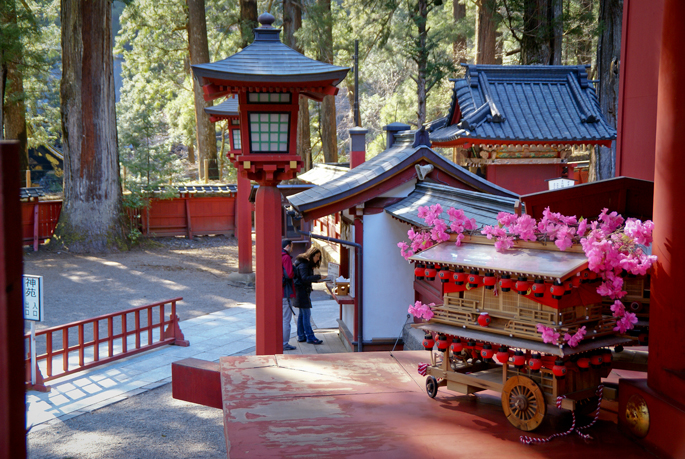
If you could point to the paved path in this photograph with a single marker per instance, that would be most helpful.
(223, 333)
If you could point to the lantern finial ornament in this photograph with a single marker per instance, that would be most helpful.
(266, 19)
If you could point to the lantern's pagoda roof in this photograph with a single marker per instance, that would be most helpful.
(267, 63)
(226, 109)
(545, 264)
(546, 104)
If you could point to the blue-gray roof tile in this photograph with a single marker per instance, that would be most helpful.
(524, 103)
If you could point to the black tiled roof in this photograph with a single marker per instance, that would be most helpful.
(34, 192)
(229, 107)
(269, 60)
(549, 103)
(201, 189)
(481, 206)
(392, 161)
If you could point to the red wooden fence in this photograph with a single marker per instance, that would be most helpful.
(116, 345)
(38, 220)
(188, 216)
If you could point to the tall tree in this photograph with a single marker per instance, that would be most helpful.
(542, 32)
(90, 217)
(329, 139)
(248, 21)
(486, 30)
(459, 45)
(199, 54)
(11, 65)
(603, 166)
(292, 22)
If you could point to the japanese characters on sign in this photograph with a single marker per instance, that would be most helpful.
(33, 297)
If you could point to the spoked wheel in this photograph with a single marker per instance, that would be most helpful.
(523, 403)
(431, 386)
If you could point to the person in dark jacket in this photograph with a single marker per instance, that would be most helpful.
(288, 291)
(304, 276)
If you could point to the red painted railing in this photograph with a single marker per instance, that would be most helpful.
(116, 345)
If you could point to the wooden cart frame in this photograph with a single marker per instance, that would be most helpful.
(525, 393)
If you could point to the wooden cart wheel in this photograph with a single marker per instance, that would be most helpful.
(431, 386)
(523, 403)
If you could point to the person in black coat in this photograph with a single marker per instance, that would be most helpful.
(304, 276)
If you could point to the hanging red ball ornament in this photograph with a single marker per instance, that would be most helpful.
(583, 363)
(559, 369)
(489, 281)
(539, 288)
(443, 343)
(519, 360)
(445, 276)
(535, 363)
(596, 360)
(460, 277)
(502, 354)
(606, 358)
(522, 286)
(474, 279)
(428, 342)
(506, 283)
(557, 290)
(430, 272)
(576, 281)
(457, 346)
(487, 352)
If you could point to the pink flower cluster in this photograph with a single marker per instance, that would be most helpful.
(548, 334)
(575, 339)
(610, 246)
(626, 320)
(422, 311)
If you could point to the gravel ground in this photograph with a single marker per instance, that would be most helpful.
(150, 425)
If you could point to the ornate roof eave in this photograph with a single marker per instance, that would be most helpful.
(227, 110)
(467, 142)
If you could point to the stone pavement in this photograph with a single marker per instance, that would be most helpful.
(223, 333)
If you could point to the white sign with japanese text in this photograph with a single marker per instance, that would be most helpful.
(333, 270)
(33, 298)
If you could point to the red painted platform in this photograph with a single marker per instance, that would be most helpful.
(373, 405)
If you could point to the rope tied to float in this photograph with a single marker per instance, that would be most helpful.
(526, 440)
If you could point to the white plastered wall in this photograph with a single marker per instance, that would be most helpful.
(388, 278)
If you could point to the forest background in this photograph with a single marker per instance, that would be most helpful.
(408, 52)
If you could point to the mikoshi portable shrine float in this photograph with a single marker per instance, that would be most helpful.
(487, 328)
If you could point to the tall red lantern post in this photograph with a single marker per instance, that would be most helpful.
(268, 77)
(229, 111)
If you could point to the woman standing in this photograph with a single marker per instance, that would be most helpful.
(304, 276)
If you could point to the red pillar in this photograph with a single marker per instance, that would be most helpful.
(12, 397)
(667, 315)
(244, 225)
(637, 94)
(268, 281)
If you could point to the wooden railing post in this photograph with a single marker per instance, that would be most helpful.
(36, 225)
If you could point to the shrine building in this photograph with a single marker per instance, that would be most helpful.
(517, 125)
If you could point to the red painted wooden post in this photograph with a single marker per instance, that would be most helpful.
(36, 225)
(189, 226)
(96, 340)
(269, 299)
(359, 239)
(244, 225)
(667, 317)
(12, 397)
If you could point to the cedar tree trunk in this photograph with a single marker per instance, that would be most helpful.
(420, 18)
(292, 22)
(486, 27)
(556, 14)
(608, 59)
(12, 88)
(459, 45)
(248, 21)
(90, 218)
(329, 138)
(199, 54)
(15, 114)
